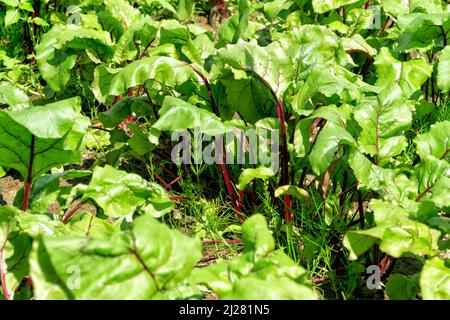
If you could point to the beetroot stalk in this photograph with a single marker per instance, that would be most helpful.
(284, 158)
(3, 277)
(26, 195)
(223, 167)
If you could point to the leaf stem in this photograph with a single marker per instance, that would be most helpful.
(445, 154)
(360, 52)
(69, 214)
(343, 193)
(360, 209)
(444, 36)
(228, 185)
(377, 138)
(26, 195)
(385, 25)
(208, 87)
(3, 276)
(99, 128)
(222, 165)
(214, 241)
(285, 159)
(420, 196)
(144, 266)
(284, 151)
(155, 112)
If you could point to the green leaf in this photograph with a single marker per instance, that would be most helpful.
(123, 11)
(236, 27)
(247, 276)
(165, 70)
(164, 4)
(135, 264)
(273, 8)
(8, 223)
(40, 22)
(262, 61)
(436, 142)
(97, 139)
(24, 5)
(329, 81)
(11, 3)
(321, 6)
(121, 110)
(173, 32)
(199, 49)
(13, 96)
(435, 280)
(248, 175)
(58, 130)
(16, 227)
(400, 7)
(125, 49)
(11, 17)
(398, 234)
(409, 75)
(120, 194)
(103, 76)
(47, 190)
(382, 124)
(257, 237)
(296, 192)
(400, 287)
(141, 141)
(433, 177)
(357, 43)
(443, 67)
(86, 224)
(185, 9)
(370, 176)
(179, 115)
(246, 96)
(280, 289)
(57, 52)
(358, 243)
(326, 145)
(420, 22)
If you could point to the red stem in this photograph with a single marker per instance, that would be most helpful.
(359, 51)
(233, 241)
(161, 180)
(3, 277)
(386, 25)
(26, 195)
(72, 212)
(318, 280)
(226, 178)
(173, 181)
(116, 99)
(221, 6)
(284, 158)
(223, 167)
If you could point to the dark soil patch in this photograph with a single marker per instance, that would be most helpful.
(407, 266)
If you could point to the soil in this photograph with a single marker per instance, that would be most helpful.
(8, 189)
